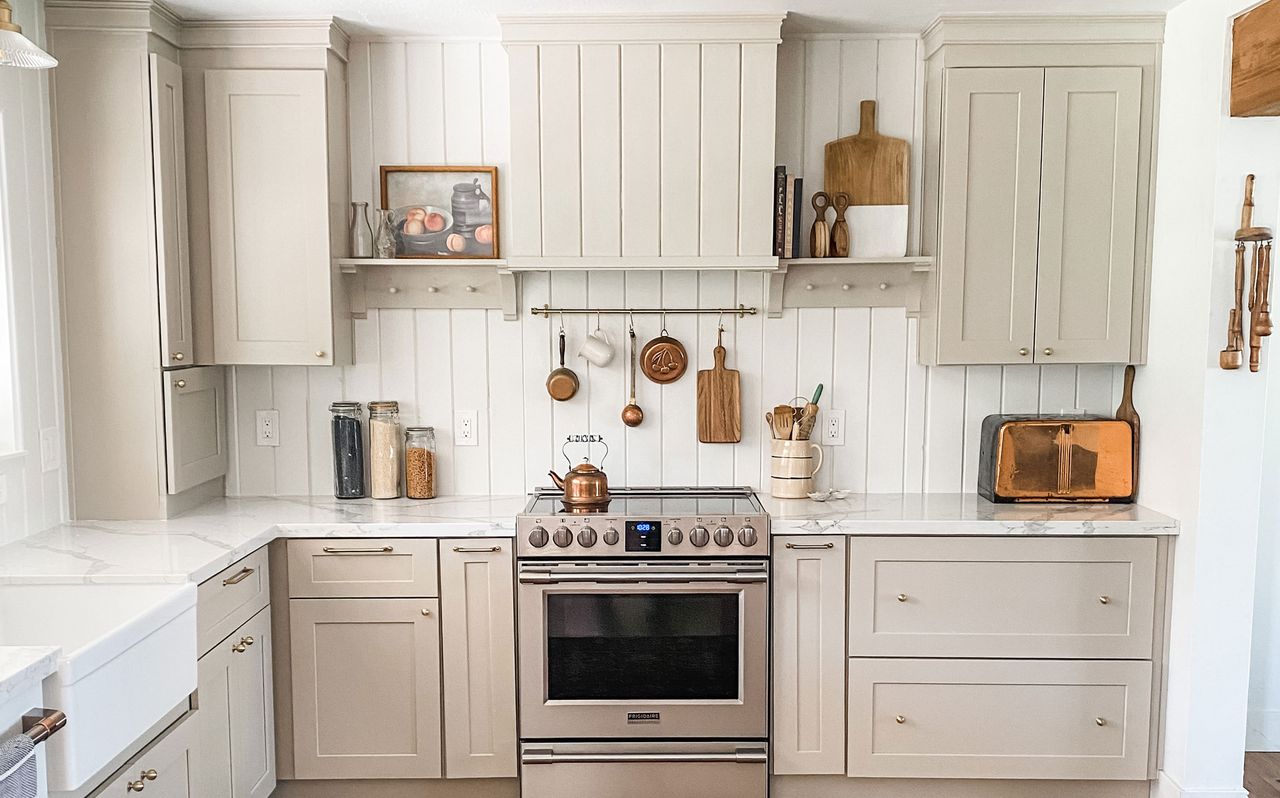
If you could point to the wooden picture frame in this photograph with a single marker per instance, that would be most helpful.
(437, 191)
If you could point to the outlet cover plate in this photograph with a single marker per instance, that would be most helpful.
(466, 429)
(832, 422)
(268, 427)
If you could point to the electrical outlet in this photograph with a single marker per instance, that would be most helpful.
(833, 427)
(466, 430)
(268, 427)
(50, 455)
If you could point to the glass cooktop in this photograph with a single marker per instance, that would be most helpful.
(654, 502)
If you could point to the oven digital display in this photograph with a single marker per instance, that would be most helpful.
(644, 536)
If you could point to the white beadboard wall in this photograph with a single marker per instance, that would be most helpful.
(35, 484)
(909, 428)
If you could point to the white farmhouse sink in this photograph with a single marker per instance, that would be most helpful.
(128, 658)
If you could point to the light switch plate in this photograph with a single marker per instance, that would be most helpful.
(466, 430)
(50, 451)
(268, 427)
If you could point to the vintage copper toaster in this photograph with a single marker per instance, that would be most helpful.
(1044, 459)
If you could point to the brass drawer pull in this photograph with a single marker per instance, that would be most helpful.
(804, 546)
(426, 613)
(477, 549)
(358, 550)
(900, 719)
(1100, 721)
(902, 598)
(1104, 599)
(238, 578)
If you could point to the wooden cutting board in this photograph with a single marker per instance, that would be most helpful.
(1127, 412)
(872, 169)
(719, 402)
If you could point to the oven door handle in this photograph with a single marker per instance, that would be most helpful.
(641, 579)
(547, 756)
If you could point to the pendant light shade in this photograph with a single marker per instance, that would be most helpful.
(17, 50)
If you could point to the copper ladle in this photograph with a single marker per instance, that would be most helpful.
(632, 415)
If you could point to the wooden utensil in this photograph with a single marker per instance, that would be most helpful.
(664, 359)
(1255, 340)
(632, 415)
(1247, 231)
(1233, 356)
(820, 233)
(783, 416)
(840, 240)
(1263, 323)
(1126, 412)
(872, 169)
(562, 383)
(719, 400)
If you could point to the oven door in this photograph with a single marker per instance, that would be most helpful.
(644, 770)
(644, 650)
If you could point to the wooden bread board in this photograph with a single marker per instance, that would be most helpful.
(872, 169)
(719, 403)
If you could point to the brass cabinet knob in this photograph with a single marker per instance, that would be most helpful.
(136, 786)
(1048, 351)
(180, 384)
(899, 719)
(151, 774)
(884, 286)
(1024, 351)
(178, 356)
(319, 353)
(1104, 599)
(1100, 721)
(393, 290)
(248, 640)
(902, 597)
(240, 647)
(426, 612)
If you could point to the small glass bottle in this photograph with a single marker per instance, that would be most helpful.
(361, 232)
(384, 243)
(420, 462)
(384, 450)
(348, 450)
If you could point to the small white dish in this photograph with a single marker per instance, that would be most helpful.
(820, 495)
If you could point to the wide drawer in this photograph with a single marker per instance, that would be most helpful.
(1087, 598)
(975, 719)
(226, 601)
(365, 568)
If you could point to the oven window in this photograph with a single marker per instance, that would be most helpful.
(666, 646)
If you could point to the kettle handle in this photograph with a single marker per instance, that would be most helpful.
(570, 440)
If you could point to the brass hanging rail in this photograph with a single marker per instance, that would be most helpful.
(740, 311)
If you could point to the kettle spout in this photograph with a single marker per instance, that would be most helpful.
(556, 479)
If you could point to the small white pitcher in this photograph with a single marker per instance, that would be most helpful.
(793, 464)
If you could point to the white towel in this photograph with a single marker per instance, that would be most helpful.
(18, 776)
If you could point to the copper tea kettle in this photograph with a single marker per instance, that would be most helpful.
(585, 486)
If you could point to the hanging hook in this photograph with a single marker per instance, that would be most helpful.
(720, 322)
(664, 322)
(597, 320)
(562, 321)
(631, 324)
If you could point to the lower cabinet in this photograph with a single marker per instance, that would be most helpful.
(366, 688)
(165, 769)
(235, 715)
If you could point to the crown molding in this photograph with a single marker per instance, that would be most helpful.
(640, 28)
(1043, 29)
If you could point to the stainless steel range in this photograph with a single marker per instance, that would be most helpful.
(643, 638)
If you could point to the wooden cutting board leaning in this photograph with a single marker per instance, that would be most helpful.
(719, 400)
(872, 169)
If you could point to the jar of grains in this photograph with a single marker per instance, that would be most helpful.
(420, 462)
(384, 450)
(348, 450)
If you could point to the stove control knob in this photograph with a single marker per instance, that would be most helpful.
(747, 536)
(563, 537)
(586, 537)
(611, 537)
(724, 536)
(699, 536)
(675, 537)
(538, 537)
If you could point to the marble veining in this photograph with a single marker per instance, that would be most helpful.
(22, 666)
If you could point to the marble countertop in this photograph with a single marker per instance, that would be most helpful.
(23, 666)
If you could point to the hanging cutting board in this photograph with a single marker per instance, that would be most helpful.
(719, 402)
(872, 169)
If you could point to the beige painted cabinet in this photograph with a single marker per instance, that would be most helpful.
(195, 413)
(271, 219)
(235, 715)
(166, 768)
(809, 656)
(169, 156)
(366, 688)
(477, 596)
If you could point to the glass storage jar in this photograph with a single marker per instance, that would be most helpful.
(348, 450)
(384, 450)
(420, 462)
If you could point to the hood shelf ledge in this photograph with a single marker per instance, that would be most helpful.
(848, 283)
(482, 283)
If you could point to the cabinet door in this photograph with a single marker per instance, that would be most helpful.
(211, 760)
(990, 200)
(808, 655)
(166, 768)
(366, 688)
(269, 216)
(477, 597)
(195, 427)
(169, 172)
(1088, 214)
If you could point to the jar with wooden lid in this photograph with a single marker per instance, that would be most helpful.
(384, 450)
(420, 462)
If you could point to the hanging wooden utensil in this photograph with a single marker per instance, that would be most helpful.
(1263, 323)
(719, 400)
(1127, 412)
(562, 383)
(1233, 356)
(632, 415)
(664, 359)
(840, 242)
(1255, 289)
(1247, 231)
(820, 233)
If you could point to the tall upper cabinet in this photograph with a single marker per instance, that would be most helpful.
(1038, 186)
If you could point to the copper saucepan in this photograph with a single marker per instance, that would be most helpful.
(562, 383)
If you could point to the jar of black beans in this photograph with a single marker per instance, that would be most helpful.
(348, 450)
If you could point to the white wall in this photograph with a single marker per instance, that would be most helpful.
(33, 486)
(908, 428)
(1202, 447)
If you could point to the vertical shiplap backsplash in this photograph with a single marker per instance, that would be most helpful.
(908, 428)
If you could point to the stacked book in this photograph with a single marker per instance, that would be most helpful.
(788, 196)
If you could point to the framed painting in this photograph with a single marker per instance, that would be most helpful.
(442, 211)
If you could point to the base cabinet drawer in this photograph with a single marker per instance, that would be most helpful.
(364, 568)
(977, 719)
(228, 600)
(165, 768)
(1051, 598)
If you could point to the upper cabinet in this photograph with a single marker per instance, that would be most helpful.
(644, 142)
(169, 169)
(1038, 188)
